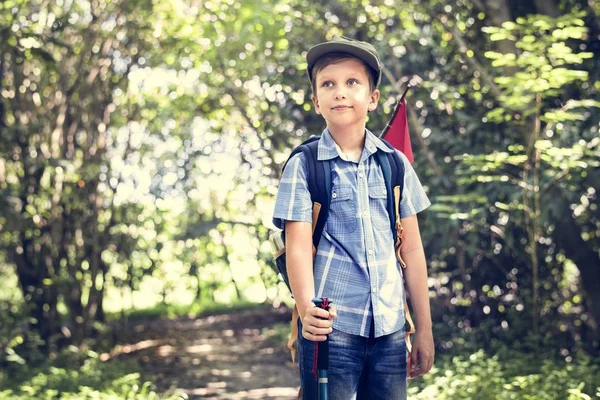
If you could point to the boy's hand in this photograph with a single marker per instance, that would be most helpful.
(422, 354)
(317, 323)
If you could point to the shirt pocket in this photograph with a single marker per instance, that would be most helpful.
(342, 212)
(378, 207)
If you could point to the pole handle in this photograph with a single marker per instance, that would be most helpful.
(323, 347)
(322, 354)
(322, 302)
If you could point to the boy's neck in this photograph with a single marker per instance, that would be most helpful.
(349, 140)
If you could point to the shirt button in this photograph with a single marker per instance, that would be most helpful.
(360, 174)
(374, 290)
(366, 213)
(370, 252)
(334, 195)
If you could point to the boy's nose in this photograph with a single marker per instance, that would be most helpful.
(340, 94)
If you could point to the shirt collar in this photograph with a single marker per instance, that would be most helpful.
(326, 150)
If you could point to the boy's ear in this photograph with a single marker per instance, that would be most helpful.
(374, 99)
(315, 102)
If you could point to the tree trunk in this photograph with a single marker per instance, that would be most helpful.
(40, 295)
(567, 236)
(238, 292)
(547, 7)
(198, 288)
(78, 320)
(2, 110)
(498, 11)
(100, 315)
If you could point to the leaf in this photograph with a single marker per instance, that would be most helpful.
(493, 55)
(569, 33)
(501, 36)
(557, 116)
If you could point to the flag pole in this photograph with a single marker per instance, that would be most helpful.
(396, 109)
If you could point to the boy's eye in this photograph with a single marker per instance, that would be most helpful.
(327, 84)
(352, 81)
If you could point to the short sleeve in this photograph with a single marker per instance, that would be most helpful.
(414, 199)
(293, 201)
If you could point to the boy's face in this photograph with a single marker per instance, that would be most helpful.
(343, 95)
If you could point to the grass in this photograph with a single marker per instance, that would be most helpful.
(193, 310)
(277, 335)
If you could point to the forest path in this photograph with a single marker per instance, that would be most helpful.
(231, 356)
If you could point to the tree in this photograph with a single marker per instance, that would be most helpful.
(62, 68)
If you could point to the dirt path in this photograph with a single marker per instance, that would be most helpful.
(234, 356)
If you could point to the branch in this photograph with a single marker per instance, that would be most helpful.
(519, 253)
(462, 48)
(112, 206)
(547, 7)
(498, 12)
(23, 265)
(414, 120)
(478, 4)
(2, 110)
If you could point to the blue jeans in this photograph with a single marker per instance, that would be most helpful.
(359, 367)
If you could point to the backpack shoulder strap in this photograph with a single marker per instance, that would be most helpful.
(393, 174)
(395, 180)
(319, 184)
(299, 149)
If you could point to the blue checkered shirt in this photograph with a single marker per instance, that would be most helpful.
(355, 265)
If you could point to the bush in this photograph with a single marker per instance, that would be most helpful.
(480, 376)
(93, 379)
(19, 344)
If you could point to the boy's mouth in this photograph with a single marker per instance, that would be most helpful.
(340, 107)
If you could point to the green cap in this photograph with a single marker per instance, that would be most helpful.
(362, 50)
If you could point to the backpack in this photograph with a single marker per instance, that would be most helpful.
(319, 186)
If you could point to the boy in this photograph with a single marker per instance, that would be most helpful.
(355, 265)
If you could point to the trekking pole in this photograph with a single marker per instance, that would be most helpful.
(322, 354)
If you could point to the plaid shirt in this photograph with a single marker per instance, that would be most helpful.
(355, 265)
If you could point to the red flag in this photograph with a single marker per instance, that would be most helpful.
(396, 131)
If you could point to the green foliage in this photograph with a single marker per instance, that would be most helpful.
(62, 66)
(91, 379)
(545, 63)
(506, 373)
(277, 335)
(516, 376)
(141, 143)
(193, 310)
(540, 126)
(17, 343)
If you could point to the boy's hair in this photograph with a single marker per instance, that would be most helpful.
(337, 57)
